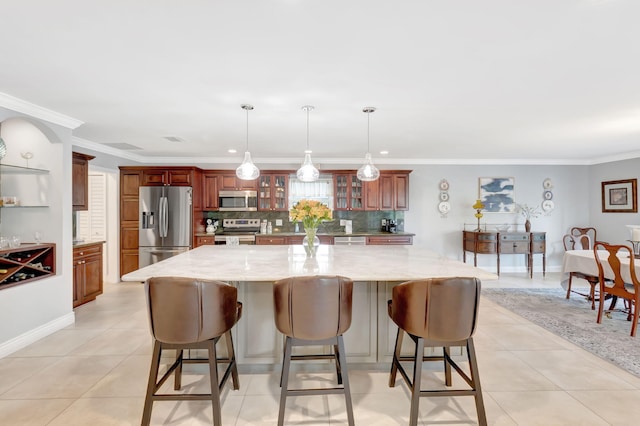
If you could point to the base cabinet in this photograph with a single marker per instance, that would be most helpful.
(87, 273)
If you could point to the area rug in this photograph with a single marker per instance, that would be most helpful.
(574, 320)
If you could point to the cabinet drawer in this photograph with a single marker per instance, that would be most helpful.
(201, 241)
(538, 247)
(514, 236)
(87, 250)
(384, 240)
(514, 247)
(486, 247)
(271, 240)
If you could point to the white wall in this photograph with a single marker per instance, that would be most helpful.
(611, 226)
(35, 309)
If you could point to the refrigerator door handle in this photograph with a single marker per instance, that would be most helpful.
(165, 224)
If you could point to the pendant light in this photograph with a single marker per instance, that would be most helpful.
(247, 170)
(307, 172)
(3, 147)
(368, 172)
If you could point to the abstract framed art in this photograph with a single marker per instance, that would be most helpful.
(620, 196)
(497, 194)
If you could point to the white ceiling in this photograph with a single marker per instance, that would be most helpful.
(470, 80)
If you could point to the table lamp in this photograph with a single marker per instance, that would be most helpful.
(478, 206)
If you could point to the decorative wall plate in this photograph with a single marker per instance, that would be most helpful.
(548, 205)
(444, 196)
(444, 185)
(444, 207)
(547, 195)
(547, 184)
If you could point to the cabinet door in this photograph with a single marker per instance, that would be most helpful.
(401, 191)
(372, 195)
(203, 241)
(386, 192)
(348, 192)
(340, 193)
(92, 277)
(210, 192)
(265, 240)
(180, 177)
(265, 199)
(80, 180)
(154, 177)
(78, 276)
(390, 240)
(280, 192)
(231, 182)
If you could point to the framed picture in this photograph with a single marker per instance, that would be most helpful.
(497, 194)
(620, 196)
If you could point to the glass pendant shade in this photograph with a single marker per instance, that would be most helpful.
(3, 148)
(247, 170)
(307, 172)
(368, 172)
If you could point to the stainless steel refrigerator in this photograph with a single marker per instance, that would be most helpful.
(165, 222)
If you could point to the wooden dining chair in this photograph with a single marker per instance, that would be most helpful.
(580, 239)
(584, 238)
(617, 286)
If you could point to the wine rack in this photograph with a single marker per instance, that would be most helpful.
(26, 263)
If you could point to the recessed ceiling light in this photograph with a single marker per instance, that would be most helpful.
(232, 151)
(384, 152)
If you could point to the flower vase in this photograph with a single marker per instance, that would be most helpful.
(311, 241)
(527, 225)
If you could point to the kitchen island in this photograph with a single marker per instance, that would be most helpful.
(374, 269)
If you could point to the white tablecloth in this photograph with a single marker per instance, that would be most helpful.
(583, 261)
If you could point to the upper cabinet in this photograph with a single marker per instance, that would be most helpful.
(348, 191)
(273, 192)
(394, 191)
(230, 182)
(162, 176)
(80, 173)
(389, 192)
(210, 191)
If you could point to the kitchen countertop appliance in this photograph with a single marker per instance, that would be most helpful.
(241, 230)
(389, 225)
(165, 223)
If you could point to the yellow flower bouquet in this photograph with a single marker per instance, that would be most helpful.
(310, 212)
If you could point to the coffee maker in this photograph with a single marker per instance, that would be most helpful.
(389, 225)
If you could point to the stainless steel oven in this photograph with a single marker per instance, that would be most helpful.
(238, 231)
(238, 201)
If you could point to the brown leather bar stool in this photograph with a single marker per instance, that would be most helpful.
(187, 313)
(314, 310)
(437, 312)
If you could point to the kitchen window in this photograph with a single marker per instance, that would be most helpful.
(320, 190)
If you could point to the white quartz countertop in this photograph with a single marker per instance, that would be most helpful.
(271, 263)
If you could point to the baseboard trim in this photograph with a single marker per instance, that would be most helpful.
(25, 339)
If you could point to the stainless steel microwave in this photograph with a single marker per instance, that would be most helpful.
(238, 201)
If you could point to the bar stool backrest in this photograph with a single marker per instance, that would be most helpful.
(437, 309)
(187, 310)
(313, 307)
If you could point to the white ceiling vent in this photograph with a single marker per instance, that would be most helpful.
(174, 139)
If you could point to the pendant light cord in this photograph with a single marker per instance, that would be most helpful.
(247, 130)
(368, 126)
(307, 129)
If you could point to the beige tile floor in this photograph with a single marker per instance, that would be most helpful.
(94, 373)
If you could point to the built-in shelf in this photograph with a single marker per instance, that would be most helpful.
(26, 263)
(8, 168)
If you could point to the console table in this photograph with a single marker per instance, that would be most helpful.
(494, 242)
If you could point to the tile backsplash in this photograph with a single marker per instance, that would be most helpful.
(362, 221)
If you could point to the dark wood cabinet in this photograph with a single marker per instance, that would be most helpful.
(80, 180)
(273, 190)
(204, 240)
(500, 243)
(26, 263)
(210, 191)
(348, 192)
(390, 240)
(130, 182)
(393, 191)
(271, 240)
(87, 273)
(164, 176)
(230, 182)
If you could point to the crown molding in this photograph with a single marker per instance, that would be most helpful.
(33, 110)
